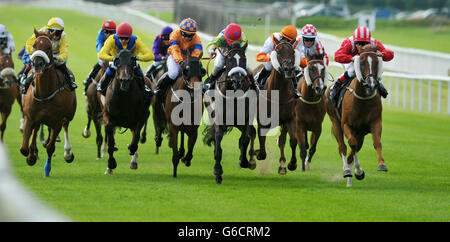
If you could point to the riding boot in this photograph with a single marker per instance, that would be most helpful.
(91, 77)
(162, 87)
(68, 77)
(26, 80)
(104, 82)
(261, 76)
(253, 83)
(209, 83)
(141, 83)
(334, 91)
(382, 90)
(294, 86)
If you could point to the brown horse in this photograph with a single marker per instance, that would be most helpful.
(233, 95)
(361, 112)
(94, 112)
(284, 60)
(47, 102)
(124, 106)
(310, 108)
(184, 109)
(8, 88)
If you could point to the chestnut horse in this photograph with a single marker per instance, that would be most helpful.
(361, 112)
(94, 112)
(284, 61)
(48, 101)
(233, 80)
(124, 106)
(8, 88)
(310, 108)
(186, 94)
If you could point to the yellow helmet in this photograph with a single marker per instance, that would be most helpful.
(56, 23)
(289, 32)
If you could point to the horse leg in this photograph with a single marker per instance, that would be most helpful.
(51, 148)
(301, 139)
(353, 143)
(181, 150)
(375, 129)
(244, 140)
(281, 143)
(261, 153)
(99, 138)
(109, 133)
(251, 151)
(314, 138)
(42, 136)
(173, 142)
(68, 155)
(133, 148)
(144, 133)
(3, 125)
(26, 137)
(86, 131)
(218, 135)
(359, 172)
(293, 143)
(338, 134)
(33, 151)
(192, 138)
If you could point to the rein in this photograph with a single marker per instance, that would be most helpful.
(360, 97)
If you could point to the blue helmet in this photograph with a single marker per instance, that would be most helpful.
(166, 30)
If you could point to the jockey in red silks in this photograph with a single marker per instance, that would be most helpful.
(361, 36)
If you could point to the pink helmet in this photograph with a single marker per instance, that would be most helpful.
(309, 31)
(361, 34)
(232, 33)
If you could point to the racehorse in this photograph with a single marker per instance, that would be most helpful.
(234, 79)
(361, 112)
(47, 102)
(8, 88)
(94, 112)
(124, 106)
(310, 108)
(159, 118)
(284, 61)
(181, 94)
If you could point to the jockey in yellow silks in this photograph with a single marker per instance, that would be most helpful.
(60, 52)
(124, 39)
(182, 41)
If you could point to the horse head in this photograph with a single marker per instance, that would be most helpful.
(7, 73)
(192, 72)
(368, 68)
(42, 57)
(125, 63)
(235, 62)
(316, 74)
(285, 58)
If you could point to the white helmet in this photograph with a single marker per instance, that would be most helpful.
(3, 31)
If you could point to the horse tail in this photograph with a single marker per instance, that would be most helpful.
(209, 133)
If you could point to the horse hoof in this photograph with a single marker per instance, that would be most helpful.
(348, 173)
(307, 165)
(252, 164)
(86, 133)
(244, 164)
(260, 155)
(218, 180)
(292, 166)
(133, 165)
(108, 171)
(69, 158)
(360, 176)
(116, 148)
(31, 162)
(282, 170)
(157, 150)
(143, 140)
(58, 139)
(24, 152)
(382, 167)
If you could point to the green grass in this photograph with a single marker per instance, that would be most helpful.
(415, 147)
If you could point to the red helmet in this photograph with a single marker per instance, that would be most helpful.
(109, 25)
(361, 34)
(124, 30)
(232, 33)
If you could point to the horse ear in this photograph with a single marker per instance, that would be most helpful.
(36, 33)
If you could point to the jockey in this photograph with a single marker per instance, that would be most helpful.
(310, 44)
(182, 41)
(348, 50)
(288, 33)
(59, 46)
(108, 28)
(160, 47)
(124, 38)
(6, 41)
(226, 38)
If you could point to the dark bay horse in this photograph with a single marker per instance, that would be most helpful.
(184, 109)
(124, 106)
(48, 101)
(361, 112)
(310, 108)
(284, 60)
(233, 95)
(94, 112)
(8, 88)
